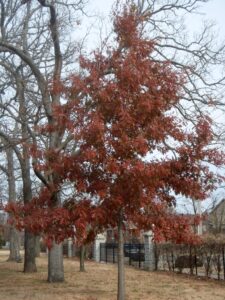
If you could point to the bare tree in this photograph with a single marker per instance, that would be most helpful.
(9, 171)
(31, 52)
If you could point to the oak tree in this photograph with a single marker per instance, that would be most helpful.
(135, 153)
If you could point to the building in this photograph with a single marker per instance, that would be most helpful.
(215, 219)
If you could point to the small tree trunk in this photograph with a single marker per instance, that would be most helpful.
(37, 246)
(29, 256)
(55, 263)
(82, 255)
(30, 239)
(14, 237)
(69, 246)
(14, 245)
(121, 273)
(24, 159)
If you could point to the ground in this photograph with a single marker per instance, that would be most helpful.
(99, 283)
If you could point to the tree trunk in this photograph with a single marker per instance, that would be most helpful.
(24, 159)
(121, 273)
(14, 238)
(14, 245)
(37, 246)
(30, 239)
(70, 248)
(82, 255)
(29, 256)
(55, 263)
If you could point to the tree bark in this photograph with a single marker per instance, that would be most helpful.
(55, 254)
(14, 245)
(29, 256)
(82, 256)
(14, 238)
(37, 246)
(69, 247)
(121, 271)
(55, 263)
(30, 239)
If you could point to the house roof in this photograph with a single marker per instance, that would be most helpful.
(217, 206)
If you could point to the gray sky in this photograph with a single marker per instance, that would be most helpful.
(214, 10)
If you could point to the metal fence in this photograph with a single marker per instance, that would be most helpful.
(203, 260)
(134, 254)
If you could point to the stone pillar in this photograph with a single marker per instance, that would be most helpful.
(100, 238)
(69, 245)
(149, 246)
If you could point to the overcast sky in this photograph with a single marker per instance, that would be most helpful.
(214, 10)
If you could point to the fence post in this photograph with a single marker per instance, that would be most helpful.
(139, 255)
(100, 238)
(149, 246)
(129, 252)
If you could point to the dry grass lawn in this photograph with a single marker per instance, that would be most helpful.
(99, 282)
